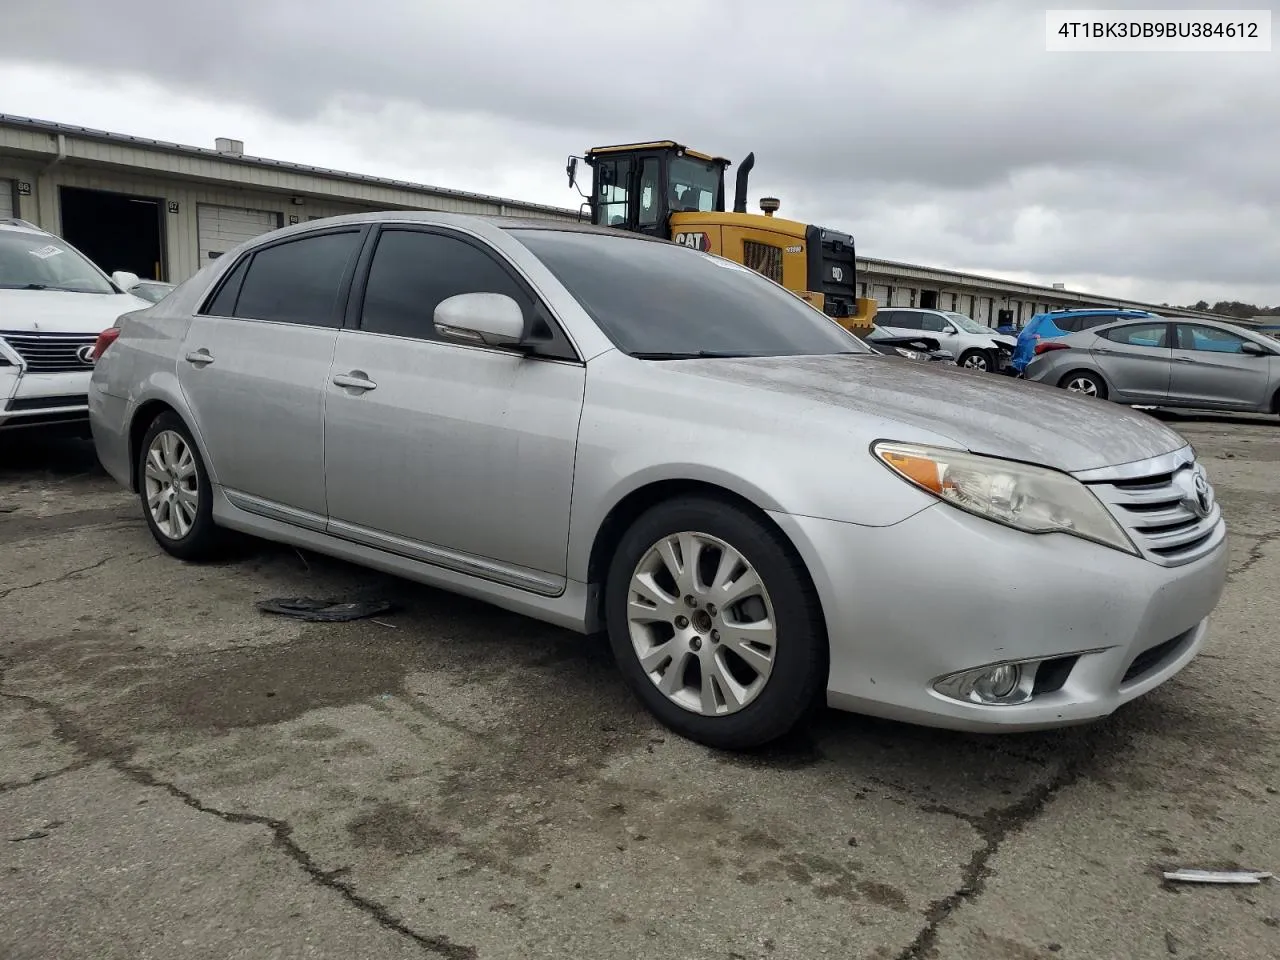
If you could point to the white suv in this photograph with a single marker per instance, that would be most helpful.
(53, 304)
(973, 345)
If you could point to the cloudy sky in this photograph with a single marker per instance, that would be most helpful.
(936, 131)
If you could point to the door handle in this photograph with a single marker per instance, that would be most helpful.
(356, 380)
(1183, 360)
(201, 357)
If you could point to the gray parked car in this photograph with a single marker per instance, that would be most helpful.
(1168, 363)
(612, 432)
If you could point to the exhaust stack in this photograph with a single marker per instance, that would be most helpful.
(740, 193)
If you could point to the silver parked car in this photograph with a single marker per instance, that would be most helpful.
(608, 431)
(1169, 363)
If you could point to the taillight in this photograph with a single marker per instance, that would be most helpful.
(105, 339)
(1047, 345)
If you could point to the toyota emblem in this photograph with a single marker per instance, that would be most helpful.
(85, 353)
(1203, 502)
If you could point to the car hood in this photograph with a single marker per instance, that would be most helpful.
(60, 311)
(982, 413)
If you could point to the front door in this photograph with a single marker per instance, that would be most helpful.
(253, 369)
(1211, 368)
(453, 454)
(1135, 360)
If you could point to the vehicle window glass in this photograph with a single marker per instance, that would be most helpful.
(1140, 334)
(224, 302)
(298, 281)
(1088, 323)
(37, 261)
(649, 196)
(707, 303)
(693, 184)
(907, 321)
(967, 324)
(611, 190)
(1067, 324)
(412, 272)
(932, 322)
(1195, 337)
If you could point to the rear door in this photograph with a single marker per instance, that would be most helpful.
(1210, 368)
(900, 323)
(254, 367)
(1136, 360)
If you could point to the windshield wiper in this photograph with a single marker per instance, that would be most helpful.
(690, 355)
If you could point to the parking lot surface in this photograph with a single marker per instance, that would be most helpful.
(182, 775)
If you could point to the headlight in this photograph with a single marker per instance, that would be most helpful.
(909, 354)
(1032, 499)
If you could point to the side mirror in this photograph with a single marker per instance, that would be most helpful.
(572, 171)
(493, 319)
(1253, 349)
(125, 280)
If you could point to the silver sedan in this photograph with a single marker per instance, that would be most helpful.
(1168, 363)
(615, 433)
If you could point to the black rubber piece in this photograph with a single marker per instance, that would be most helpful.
(798, 680)
(325, 611)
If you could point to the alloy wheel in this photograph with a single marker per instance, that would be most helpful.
(701, 623)
(976, 361)
(1082, 385)
(172, 484)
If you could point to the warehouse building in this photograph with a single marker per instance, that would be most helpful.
(163, 210)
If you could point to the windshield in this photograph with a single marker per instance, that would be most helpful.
(966, 324)
(659, 299)
(33, 261)
(693, 184)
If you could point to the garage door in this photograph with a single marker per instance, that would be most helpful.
(6, 198)
(221, 228)
(880, 293)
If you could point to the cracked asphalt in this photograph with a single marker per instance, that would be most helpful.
(184, 776)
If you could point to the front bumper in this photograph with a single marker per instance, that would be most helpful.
(943, 592)
(42, 399)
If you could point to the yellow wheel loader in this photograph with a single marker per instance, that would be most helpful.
(665, 189)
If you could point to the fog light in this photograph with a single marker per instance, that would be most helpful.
(998, 683)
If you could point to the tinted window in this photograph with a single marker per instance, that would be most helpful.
(298, 281)
(1195, 337)
(412, 272)
(653, 297)
(1067, 324)
(224, 301)
(1088, 323)
(1140, 334)
(908, 321)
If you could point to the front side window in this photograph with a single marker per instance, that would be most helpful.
(932, 322)
(612, 178)
(1154, 335)
(967, 324)
(1192, 336)
(33, 261)
(298, 281)
(663, 300)
(693, 184)
(650, 198)
(412, 272)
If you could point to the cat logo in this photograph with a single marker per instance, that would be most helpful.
(695, 241)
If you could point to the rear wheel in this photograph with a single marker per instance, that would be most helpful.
(715, 624)
(1082, 381)
(976, 360)
(173, 485)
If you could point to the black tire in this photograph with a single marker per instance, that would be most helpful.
(980, 355)
(797, 680)
(204, 539)
(1084, 376)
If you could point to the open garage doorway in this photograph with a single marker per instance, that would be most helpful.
(929, 299)
(117, 231)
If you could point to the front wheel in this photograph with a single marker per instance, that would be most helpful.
(976, 360)
(715, 624)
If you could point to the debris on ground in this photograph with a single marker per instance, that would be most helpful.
(1187, 875)
(324, 611)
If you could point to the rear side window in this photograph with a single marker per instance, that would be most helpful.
(932, 322)
(1088, 323)
(224, 302)
(908, 321)
(1140, 334)
(298, 281)
(1067, 324)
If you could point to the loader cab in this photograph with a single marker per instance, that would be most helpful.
(637, 186)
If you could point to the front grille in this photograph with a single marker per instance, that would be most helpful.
(51, 352)
(763, 258)
(1161, 514)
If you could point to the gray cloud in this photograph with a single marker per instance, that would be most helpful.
(938, 132)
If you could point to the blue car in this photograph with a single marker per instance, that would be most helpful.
(1059, 323)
